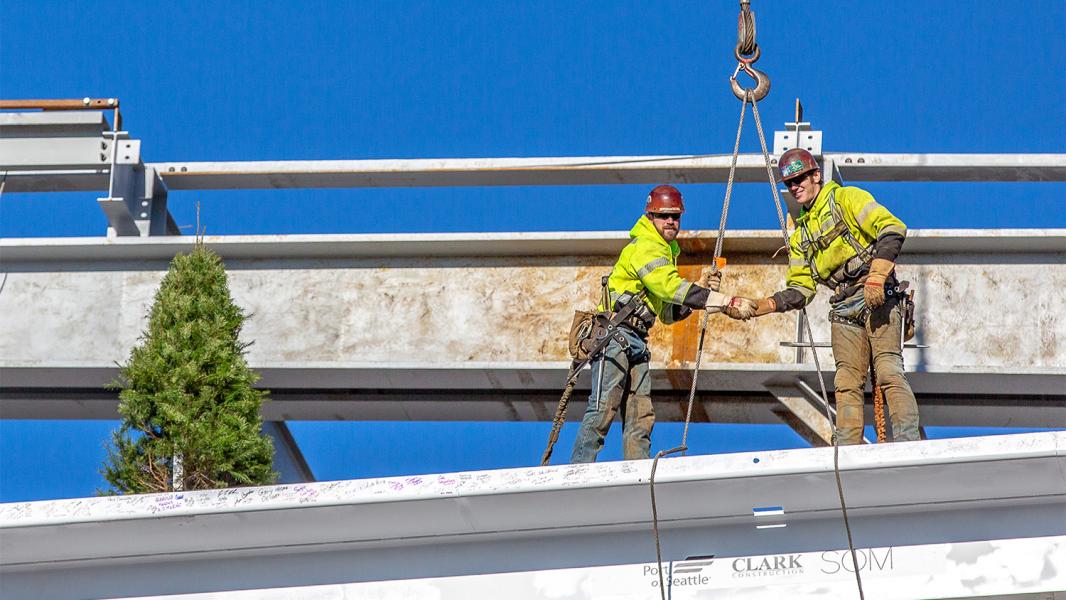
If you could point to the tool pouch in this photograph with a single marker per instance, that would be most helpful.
(848, 306)
(585, 331)
(906, 299)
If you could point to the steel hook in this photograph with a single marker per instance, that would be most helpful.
(762, 84)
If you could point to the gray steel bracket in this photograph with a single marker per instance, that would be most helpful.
(56, 151)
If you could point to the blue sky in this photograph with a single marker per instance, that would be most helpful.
(205, 81)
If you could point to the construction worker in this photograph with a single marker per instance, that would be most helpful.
(620, 379)
(848, 242)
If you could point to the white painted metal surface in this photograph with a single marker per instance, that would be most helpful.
(535, 243)
(1018, 569)
(582, 170)
(595, 170)
(534, 519)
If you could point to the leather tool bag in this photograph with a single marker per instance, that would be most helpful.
(849, 306)
(587, 328)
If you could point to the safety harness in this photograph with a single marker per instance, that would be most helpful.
(589, 336)
(846, 304)
(853, 268)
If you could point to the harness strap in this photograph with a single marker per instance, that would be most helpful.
(851, 268)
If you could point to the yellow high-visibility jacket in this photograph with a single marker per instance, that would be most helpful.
(872, 227)
(649, 263)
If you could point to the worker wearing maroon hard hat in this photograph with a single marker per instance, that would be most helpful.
(846, 241)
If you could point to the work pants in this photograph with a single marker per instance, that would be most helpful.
(620, 381)
(853, 347)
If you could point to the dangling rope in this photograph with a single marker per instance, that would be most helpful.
(560, 415)
(714, 265)
(879, 407)
(745, 45)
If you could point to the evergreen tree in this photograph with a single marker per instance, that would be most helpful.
(186, 400)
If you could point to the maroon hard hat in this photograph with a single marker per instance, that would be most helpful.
(665, 199)
(795, 162)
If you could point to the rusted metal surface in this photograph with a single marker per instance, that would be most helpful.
(414, 311)
(61, 104)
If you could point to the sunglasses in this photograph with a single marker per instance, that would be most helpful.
(666, 216)
(797, 180)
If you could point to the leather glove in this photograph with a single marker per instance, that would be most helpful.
(711, 279)
(873, 291)
(765, 306)
(741, 308)
(716, 302)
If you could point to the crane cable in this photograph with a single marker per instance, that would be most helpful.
(817, 363)
(747, 52)
(683, 448)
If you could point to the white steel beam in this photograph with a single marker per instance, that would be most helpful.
(594, 170)
(587, 170)
(947, 572)
(574, 244)
(535, 518)
(485, 314)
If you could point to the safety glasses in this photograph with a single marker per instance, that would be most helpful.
(797, 180)
(666, 217)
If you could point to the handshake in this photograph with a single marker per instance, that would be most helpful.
(734, 307)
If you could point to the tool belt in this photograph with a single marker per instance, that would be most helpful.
(848, 304)
(589, 327)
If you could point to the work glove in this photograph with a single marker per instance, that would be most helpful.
(711, 279)
(740, 308)
(765, 306)
(873, 291)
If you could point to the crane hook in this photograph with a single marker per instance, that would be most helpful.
(762, 83)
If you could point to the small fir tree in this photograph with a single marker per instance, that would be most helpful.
(190, 416)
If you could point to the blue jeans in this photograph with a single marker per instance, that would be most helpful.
(625, 384)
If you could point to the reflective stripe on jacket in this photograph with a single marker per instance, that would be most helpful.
(865, 219)
(648, 262)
